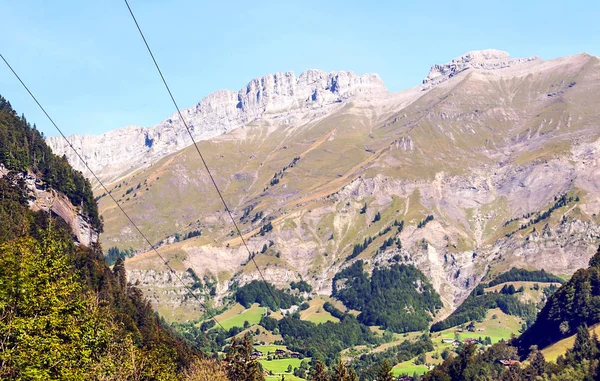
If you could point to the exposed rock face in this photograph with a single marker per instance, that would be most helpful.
(48, 200)
(119, 151)
(489, 59)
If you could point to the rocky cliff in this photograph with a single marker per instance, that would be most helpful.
(282, 94)
(41, 197)
(489, 59)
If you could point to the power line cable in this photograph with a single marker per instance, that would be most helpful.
(198, 150)
(110, 195)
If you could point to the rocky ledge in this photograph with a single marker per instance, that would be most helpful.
(489, 59)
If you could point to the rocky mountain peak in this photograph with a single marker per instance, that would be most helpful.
(488, 59)
(115, 152)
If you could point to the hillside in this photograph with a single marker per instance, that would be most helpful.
(500, 152)
(65, 313)
(561, 331)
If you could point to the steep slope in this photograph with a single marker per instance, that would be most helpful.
(574, 304)
(488, 149)
(65, 314)
(568, 315)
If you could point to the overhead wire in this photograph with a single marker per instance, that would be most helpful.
(212, 317)
(199, 152)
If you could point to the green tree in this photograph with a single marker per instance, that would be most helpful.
(319, 372)
(537, 364)
(240, 366)
(43, 316)
(384, 373)
(585, 346)
(340, 372)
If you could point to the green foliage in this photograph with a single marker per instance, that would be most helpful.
(262, 293)
(63, 313)
(359, 248)
(424, 222)
(23, 149)
(384, 373)
(368, 365)
(471, 365)
(508, 289)
(363, 210)
(575, 303)
(114, 253)
(67, 316)
(325, 340)
(475, 308)
(522, 275)
(333, 311)
(265, 228)
(301, 286)
(319, 372)
(377, 217)
(240, 366)
(398, 298)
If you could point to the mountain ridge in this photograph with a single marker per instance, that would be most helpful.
(484, 153)
(113, 153)
(126, 149)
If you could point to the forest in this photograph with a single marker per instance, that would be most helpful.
(60, 304)
(64, 313)
(522, 275)
(475, 308)
(23, 149)
(324, 341)
(575, 303)
(398, 298)
(263, 293)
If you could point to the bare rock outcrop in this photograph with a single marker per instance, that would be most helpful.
(489, 59)
(48, 200)
(122, 150)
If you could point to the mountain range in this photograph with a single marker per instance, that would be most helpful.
(489, 164)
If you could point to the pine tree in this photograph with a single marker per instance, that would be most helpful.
(585, 347)
(319, 373)
(341, 372)
(240, 365)
(384, 373)
(377, 217)
(595, 260)
(537, 364)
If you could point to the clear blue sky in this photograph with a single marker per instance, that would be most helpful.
(86, 63)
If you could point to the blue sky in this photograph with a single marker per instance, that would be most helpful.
(87, 65)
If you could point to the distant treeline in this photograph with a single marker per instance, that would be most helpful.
(114, 253)
(522, 275)
(262, 293)
(301, 286)
(322, 341)
(366, 366)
